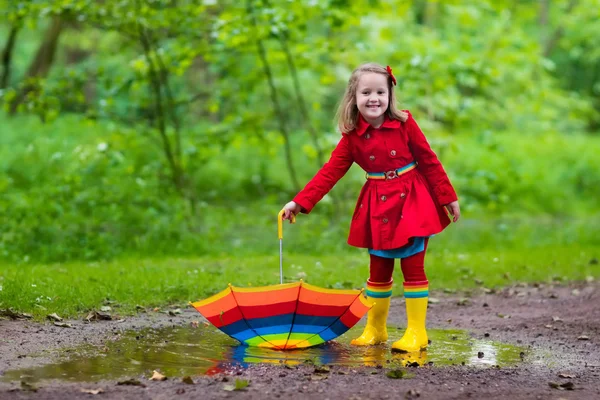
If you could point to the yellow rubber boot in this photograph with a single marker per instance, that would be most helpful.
(415, 336)
(376, 330)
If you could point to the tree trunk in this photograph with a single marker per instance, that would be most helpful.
(41, 64)
(7, 56)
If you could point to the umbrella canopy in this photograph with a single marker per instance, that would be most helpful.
(286, 316)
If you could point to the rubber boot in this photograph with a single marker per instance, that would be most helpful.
(415, 337)
(376, 329)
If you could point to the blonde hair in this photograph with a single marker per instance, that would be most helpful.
(347, 114)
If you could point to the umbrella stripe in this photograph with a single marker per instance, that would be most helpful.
(354, 312)
(251, 312)
(305, 323)
(266, 298)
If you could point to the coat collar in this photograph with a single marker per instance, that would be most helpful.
(362, 125)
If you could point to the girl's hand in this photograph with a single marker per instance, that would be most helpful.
(454, 210)
(291, 209)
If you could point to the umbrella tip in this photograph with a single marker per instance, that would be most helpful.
(229, 284)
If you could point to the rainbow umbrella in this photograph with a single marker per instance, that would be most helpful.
(285, 316)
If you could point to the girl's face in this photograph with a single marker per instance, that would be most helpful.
(373, 97)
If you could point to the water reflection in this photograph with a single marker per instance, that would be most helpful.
(206, 351)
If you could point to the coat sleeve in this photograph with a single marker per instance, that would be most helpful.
(332, 171)
(428, 164)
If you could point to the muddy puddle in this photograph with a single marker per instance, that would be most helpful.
(181, 351)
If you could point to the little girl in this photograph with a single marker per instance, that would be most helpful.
(406, 198)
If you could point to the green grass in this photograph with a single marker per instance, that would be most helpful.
(75, 288)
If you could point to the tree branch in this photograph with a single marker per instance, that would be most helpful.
(274, 97)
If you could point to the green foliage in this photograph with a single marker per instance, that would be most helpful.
(160, 136)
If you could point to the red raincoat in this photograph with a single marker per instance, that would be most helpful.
(388, 212)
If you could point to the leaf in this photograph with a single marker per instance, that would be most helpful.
(562, 386)
(92, 391)
(322, 370)
(54, 317)
(105, 308)
(63, 325)
(97, 316)
(131, 382)
(187, 379)
(240, 384)
(14, 315)
(28, 387)
(583, 337)
(396, 374)
(157, 376)
(561, 375)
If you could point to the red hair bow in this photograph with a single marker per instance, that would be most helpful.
(389, 71)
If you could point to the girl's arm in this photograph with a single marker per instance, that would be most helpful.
(429, 165)
(339, 163)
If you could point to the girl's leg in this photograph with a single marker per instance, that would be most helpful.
(416, 293)
(379, 291)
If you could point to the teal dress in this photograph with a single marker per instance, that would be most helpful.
(415, 246)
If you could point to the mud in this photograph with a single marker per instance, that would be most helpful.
(558, 324)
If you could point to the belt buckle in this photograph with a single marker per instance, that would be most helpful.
(391, 174)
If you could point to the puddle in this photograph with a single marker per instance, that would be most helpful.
(184, 351)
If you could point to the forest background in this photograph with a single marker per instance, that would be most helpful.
(150, 136)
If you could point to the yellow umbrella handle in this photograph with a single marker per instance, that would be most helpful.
(280, 223)
(280, 234)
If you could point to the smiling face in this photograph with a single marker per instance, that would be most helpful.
(373, 97)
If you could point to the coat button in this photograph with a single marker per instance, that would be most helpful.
(368, 136)
(372, 158)
(385, 221)
(383, 198)
(393, 152)
(361, 206)
(402, 194)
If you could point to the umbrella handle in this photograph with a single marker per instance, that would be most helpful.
(280, 223)
(280, 235)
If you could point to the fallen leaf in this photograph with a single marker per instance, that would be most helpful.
(28, 387)
(131, 382)
(63, 325)
(396, 374)
(98, 316)
(557, 319)
(92, 391)
(583, 337)
(433, 300)
(561, 375)
(194, 324)
(54, 317)
(463, 302)
(240, 384)
(187, 379)
(157, 376)
(318, 377)
(575, 292)
(324, 369)
(105, 308)
(412, 394)
(562, 386)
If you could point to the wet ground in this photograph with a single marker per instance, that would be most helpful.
(524, 342)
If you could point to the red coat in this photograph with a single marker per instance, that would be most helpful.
(388, 212)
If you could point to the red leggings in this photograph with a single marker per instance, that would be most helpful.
(413, 267)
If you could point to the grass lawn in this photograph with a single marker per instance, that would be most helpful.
(72, 289)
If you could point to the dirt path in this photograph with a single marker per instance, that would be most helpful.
(562, 322)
